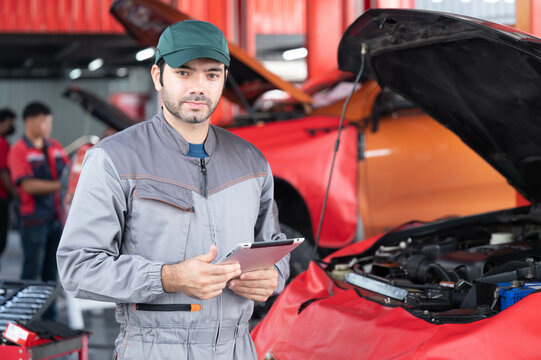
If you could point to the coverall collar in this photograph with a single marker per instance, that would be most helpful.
(179, 143)
(47, 143)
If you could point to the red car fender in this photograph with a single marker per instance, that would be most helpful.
(286, 307)
(346, 326)
(300, 152)
(311, 284)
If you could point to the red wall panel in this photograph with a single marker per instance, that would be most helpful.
(278, 16)
(272, 17)
(402, 4)
(92, 16)
(536, 18)
(57, 16)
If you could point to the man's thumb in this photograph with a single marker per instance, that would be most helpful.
(210, 256)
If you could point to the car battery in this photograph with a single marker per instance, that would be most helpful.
(510, 294)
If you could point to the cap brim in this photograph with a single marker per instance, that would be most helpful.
(181, 57)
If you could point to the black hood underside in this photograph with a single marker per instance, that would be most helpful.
(481, 80)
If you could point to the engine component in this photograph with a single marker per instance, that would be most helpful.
(455, 274)
(501, 238)
(510, 295)
(376, 286)
(421, 269)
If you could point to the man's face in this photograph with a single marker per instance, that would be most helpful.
(192, 91)
(47, 126)
(39, 125)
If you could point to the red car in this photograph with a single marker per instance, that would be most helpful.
(461, 288)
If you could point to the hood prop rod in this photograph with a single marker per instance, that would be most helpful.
(242, 98)
(337, 144)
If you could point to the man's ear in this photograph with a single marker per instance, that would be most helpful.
(155, 74)
(226, 73)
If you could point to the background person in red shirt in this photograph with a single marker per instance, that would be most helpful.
(35, 163)
(7, 190)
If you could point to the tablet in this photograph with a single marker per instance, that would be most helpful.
(259, 255)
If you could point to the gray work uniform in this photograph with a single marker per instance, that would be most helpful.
(141, 202)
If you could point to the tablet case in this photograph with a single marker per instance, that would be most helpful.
(259, 255)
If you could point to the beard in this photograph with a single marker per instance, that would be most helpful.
(175, 107)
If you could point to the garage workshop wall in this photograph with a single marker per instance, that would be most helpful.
(70, 121)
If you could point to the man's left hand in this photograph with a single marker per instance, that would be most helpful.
(256, 285)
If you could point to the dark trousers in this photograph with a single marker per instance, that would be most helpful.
(39, 246)
(4, 222)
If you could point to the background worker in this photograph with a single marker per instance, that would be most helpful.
(157, 203)
(7, 190)
(35, 163)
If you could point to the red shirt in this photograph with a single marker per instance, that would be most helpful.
(4, 150)
(26, 161)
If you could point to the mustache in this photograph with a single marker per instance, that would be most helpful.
(195, 98)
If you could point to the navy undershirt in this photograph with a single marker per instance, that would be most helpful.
(197, 150)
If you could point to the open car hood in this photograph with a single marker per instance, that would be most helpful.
(145, 20)
(479, 79)
(102, 110)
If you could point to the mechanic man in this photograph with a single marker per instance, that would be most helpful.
(35, 163)
(157, 203)
(7, 190)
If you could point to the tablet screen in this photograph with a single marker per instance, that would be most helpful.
(259, 255)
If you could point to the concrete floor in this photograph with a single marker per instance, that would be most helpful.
(101, 323)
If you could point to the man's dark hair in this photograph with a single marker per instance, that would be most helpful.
(5, 114)
(161, 65)
(34, 109)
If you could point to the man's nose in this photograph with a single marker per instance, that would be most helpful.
(197, 84)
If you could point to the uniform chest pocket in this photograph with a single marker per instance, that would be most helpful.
(160, 220)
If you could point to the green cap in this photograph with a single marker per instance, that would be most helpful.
(191, 39)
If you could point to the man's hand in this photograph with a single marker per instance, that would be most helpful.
(256, 285)
(197, 277)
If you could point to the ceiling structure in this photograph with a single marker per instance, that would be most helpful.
(56, 55)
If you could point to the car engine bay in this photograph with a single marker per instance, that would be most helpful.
(453, 271)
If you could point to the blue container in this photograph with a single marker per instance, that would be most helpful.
(511, 296)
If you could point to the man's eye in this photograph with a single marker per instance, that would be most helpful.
(182, 73)
(214, 76)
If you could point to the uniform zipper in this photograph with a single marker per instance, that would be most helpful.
(220, 305)
(204, 172)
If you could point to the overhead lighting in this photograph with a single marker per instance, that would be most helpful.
(75, 74)
(295, 54)
(95, 64)
(121, 72)
(145, 54)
